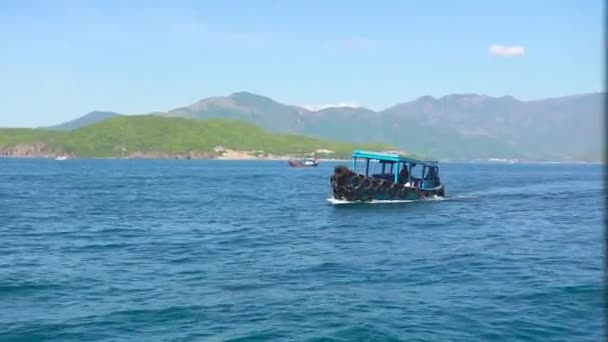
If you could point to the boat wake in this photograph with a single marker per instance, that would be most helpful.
(334, 201)
(461, 197)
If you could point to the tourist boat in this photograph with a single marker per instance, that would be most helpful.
(305, 162)
(396, 179)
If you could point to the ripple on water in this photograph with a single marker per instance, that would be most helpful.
(192, 250)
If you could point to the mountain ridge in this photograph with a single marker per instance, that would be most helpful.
(153, 136)
(85, 120)
(459, 126)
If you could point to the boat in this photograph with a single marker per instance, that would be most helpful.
(395, 181)
(61, 157)
(305, 162)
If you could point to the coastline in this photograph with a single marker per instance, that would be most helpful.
(41, 151)
(286, 158)
(221, 153)
(157, 157)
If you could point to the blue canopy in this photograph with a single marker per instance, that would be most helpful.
(391, 157)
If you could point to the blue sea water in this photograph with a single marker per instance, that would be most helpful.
(232, 250)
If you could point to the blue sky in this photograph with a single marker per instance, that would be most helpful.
(62, 59)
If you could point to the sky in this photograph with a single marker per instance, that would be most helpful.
(62, 59)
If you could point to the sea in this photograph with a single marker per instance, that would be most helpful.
(185, 250)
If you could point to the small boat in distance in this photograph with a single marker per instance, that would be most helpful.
(395, 180)
(305, 162)
(61, 157)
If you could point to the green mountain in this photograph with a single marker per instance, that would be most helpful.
(249, 107)
(85, 120)
(457, 126)
(156, 136)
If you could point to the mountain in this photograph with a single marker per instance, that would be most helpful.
(566, 128)
(88, 119)
(256, 109)
(456, 126)
(160, 137)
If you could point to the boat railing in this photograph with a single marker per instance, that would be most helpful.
(386, 176)
(429, 183)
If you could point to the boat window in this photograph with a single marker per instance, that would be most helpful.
(382, 169)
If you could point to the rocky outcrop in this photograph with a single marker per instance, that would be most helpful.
(42, 150)
(163, 155)
(39, 150)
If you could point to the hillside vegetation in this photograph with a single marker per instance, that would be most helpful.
(454, 127)
(150, 134)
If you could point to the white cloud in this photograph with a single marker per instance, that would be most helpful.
(507, 51)
(315, 108)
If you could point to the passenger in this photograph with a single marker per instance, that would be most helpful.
(403, 176)
(432, 174)
(432, 177)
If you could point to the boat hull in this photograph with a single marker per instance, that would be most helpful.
(299, 163)
(352, 187)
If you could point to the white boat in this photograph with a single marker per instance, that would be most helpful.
(306, 162)
(61, 157)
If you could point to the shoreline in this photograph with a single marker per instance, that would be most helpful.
(286, 158)
(277, 158)
(218, 153)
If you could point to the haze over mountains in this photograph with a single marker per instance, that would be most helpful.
(455, 127)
